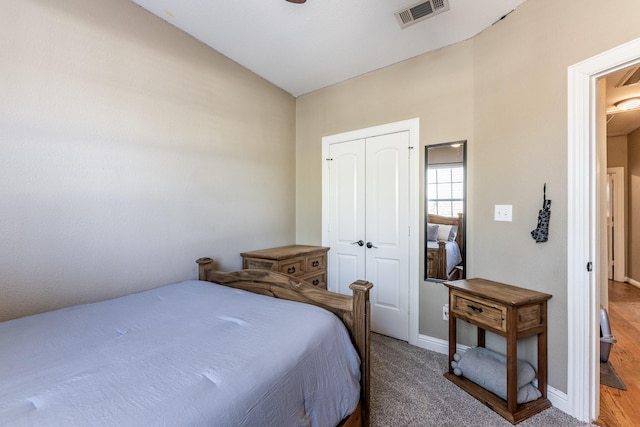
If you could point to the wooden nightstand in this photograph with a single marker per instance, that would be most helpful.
(510, 312)
(308, 263)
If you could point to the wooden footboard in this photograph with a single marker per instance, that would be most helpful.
(352, 310)
(437, 261)
(436, 258)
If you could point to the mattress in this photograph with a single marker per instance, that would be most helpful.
(193, 353)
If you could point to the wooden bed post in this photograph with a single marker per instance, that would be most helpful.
(461, 238)
(204, 264)
(362, 338)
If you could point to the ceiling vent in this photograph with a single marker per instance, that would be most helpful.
(421, 11)
(631, 77)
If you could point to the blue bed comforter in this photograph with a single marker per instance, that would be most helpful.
(191, 354)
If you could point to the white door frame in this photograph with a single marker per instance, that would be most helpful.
(413, 127)
(583, 216)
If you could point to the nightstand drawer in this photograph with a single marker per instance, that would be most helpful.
(481, 311)
(293, 266)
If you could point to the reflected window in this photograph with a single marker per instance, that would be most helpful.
(445, 189)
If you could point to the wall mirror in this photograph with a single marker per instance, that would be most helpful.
(445, 209)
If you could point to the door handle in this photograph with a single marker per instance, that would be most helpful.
(359, 243)
(371, 245)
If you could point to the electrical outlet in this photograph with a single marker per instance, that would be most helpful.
(445, 312)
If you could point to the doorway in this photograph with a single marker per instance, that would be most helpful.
(370, 220)
(586, 261)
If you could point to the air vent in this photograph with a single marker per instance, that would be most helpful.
(421, 11)
(631, 77)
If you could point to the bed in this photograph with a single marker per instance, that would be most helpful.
(444, 247)
(193, 353)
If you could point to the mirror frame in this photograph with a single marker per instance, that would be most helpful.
(464, 207)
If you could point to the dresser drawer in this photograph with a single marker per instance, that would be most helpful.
(316, 263)
(293, 266)
(483, 312)
(260, 264)
(319, 280)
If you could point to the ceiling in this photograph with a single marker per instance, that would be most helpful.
(304, 47)
(621, 123)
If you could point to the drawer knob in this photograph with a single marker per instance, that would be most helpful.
(474, 308)
(291, 270)
(315, 263)
(316, 282)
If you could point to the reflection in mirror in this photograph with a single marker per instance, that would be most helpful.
(445, 205)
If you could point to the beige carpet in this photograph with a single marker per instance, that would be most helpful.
(408, 389)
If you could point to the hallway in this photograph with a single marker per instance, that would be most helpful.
(619, 408)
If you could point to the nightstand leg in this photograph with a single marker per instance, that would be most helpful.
(542, 354)
(452, 340)
(481, 337)
(512, 361)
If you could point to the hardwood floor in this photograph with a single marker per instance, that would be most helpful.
(620, 408)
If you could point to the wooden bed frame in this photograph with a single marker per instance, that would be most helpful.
(352, 310)
(436, 258)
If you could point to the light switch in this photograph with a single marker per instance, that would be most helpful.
(503, 213)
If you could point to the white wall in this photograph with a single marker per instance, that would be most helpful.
(128, 150)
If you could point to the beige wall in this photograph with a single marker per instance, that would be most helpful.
(633, 225)
(128, 150)
(505, 91)
(429, 87)
(617, 152)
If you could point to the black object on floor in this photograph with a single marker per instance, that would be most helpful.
(609, 376)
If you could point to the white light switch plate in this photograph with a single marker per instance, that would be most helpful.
(504, 213)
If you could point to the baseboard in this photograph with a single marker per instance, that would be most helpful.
(558, 399)
(633, 282)
(438, 345)
(555, 396)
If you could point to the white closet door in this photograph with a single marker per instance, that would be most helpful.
(346, 215)
(368, 225)
(387, 232)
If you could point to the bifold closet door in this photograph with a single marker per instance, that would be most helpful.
(368, 225)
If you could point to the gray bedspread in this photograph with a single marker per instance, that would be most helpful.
(190, 354)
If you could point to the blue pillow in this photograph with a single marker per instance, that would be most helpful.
(453, 233)
(432, 232)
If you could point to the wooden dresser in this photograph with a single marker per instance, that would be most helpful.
(510, 312)
(308, 263)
